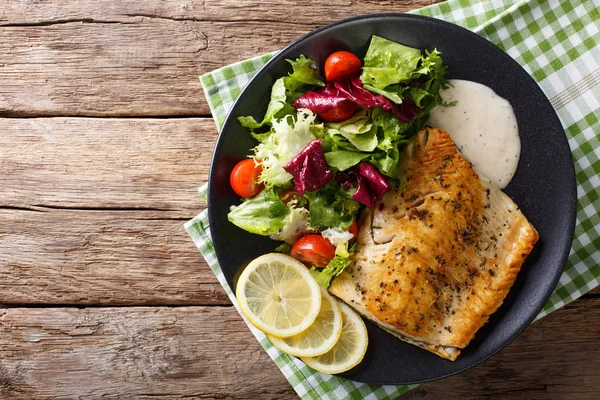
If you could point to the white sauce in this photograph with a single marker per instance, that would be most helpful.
(484, 128)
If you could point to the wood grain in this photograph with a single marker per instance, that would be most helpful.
(207, 352)
(96, 163)
(113, 58)
(82, 257)
(167, 353)
(92, 211)
(16, 12)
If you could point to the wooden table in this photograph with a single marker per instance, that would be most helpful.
(105, 137)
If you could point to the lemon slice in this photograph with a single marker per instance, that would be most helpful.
(350, 348)
(320, 337)
(278, 295)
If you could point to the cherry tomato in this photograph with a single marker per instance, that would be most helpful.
(341, 112)
(341, 65)
(244, 178)
(353, 229)
(313, 249)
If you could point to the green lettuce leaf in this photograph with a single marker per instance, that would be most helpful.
(334, 268)
(344, 159)
(283, 248)
(379, 146)
(393, 92)
(264, 214)
(420, 96)
(304, 73)
(388, 62)
(436, 81)
(358, 131)
(331, 206)
(277, 103)
(431, 62)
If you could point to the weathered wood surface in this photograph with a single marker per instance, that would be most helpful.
(195, 352)
(126, 58)
(92, 163)
(207, 352)
(81, 257)
(92, 211)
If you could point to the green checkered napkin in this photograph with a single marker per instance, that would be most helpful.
(555, 41)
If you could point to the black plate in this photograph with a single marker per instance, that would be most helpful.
(544, 185)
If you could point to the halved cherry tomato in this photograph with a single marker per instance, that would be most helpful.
(313, 249)
(244, 178)
(341, 112)
(353, 229)
(341, 65)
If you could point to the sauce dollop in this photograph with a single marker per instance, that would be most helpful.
(484, 128)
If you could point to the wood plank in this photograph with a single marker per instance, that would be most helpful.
(111, 58)
(198, 352)
(207, 352)
(106, 163)
(303, 11)
(101, 257)
(92, 211)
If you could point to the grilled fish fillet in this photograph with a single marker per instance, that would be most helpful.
(438, 256)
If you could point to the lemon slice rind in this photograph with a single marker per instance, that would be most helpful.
(353, 341)
(276, 289)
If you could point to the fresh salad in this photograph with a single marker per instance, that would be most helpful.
(326, 149)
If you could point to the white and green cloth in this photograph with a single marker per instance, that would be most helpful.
(558, 43)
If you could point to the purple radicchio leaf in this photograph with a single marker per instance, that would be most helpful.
(371, 183)
(344, 179)
(353, 88)
(333, 94)
(309, 168)
(319, 101)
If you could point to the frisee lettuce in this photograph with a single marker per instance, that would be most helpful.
(287, 137)
(297, 224)
(284, 91)
(339, 238)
